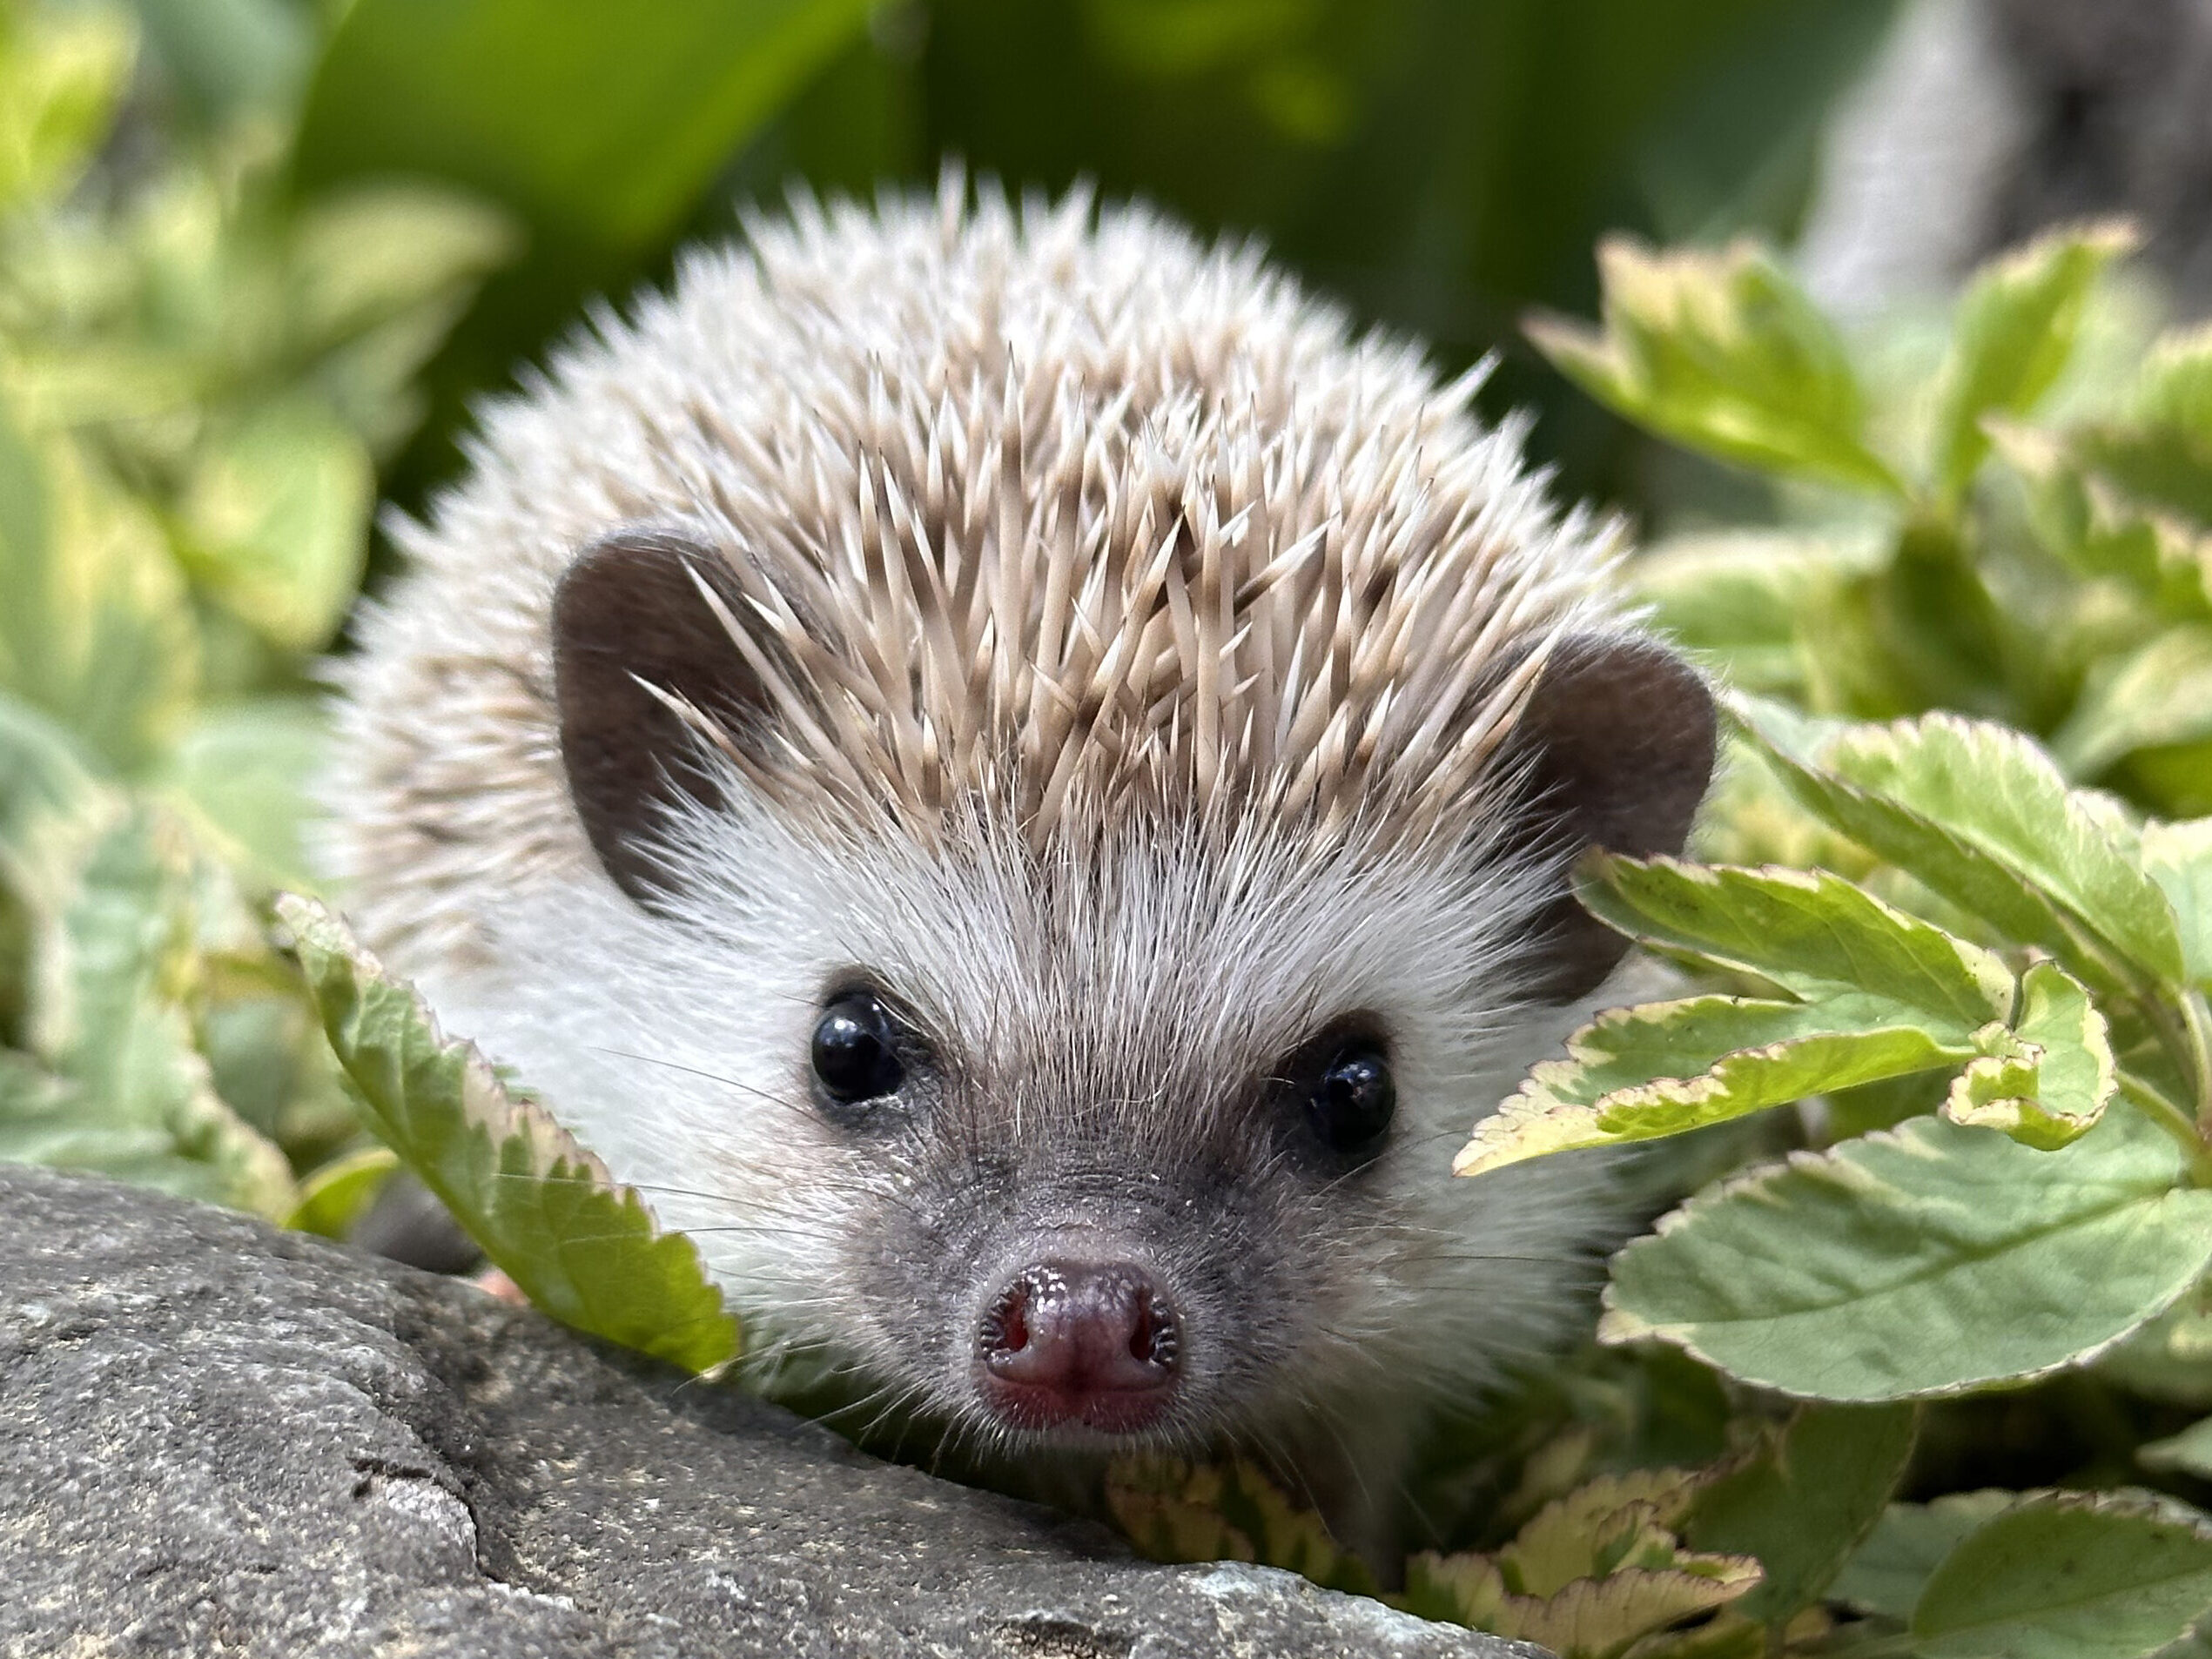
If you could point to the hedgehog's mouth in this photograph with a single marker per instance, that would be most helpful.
(1069, 1344)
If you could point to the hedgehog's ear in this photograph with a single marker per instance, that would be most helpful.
(1615, 743)
(628, 610)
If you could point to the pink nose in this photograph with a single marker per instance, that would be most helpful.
(1075, 1342)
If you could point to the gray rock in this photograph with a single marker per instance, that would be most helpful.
(217, 1437)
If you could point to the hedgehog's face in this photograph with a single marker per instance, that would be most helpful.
(1131, 1131)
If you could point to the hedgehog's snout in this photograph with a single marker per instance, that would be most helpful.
(1066, 1343)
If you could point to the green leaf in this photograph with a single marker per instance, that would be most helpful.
(275, 520)
(63, 70)
(2012, 336)
(2069, 1575)
(2158, 695)
(339, 1194)
(364, 255)
(1801, 1504)
(604, 127)
(1925, 1260)
(1887, 1573)
(581, 1247)
(2055, 1077)
(98, 629)
(51, 805)
(2170, 1358)
(2179, 858)
(232, 58)
(1174, 1511)
(1813, 934)
(1978, 813)
(1722, 352)
(2175, 387)
(1770, 609)
(245, 769)
(1643, 1073)
(2100, 532)
(129, 1093)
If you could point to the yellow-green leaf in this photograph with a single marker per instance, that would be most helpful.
(1722, 352)
(2055, 1075)
(2012, 337)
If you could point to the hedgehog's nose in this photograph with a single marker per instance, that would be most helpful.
(1080, 1342)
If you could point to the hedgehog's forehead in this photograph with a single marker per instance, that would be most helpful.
(1134, 950)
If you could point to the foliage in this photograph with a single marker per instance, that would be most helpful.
(1932, 1380)
(196, 377)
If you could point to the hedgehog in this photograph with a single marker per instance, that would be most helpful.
(1017, 775)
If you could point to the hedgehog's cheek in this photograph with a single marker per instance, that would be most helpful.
(1079, 1342)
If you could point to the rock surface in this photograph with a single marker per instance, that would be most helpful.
(217, 1437)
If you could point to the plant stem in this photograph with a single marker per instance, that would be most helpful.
(2175, 1121)
(2196, 1021)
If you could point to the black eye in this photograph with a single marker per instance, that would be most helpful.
(856, 1049)
(1352, 1098)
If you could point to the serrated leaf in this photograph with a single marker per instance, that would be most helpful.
(1624, 1518)
(1590, 1618)
(2069, 1575)
(1722, 352)
(1643, 1073)
(583, 1248)
(2158, 695)
(2179, 858)
(1801, 1504)
(1176, 1511)
(1812, 933)
(2100, 532)
(2012, 336)
(2056, 1076)
(1887, 1573)
(1978, 813)
(1925, 1260)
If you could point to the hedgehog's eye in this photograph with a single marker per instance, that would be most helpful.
(1353, 1098)
(856, 1049)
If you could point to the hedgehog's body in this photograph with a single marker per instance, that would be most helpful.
(1110, 736)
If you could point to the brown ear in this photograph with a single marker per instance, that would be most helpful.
(1617, 746)
(627, 610)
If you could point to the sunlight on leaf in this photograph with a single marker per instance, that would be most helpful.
(1720, 352)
